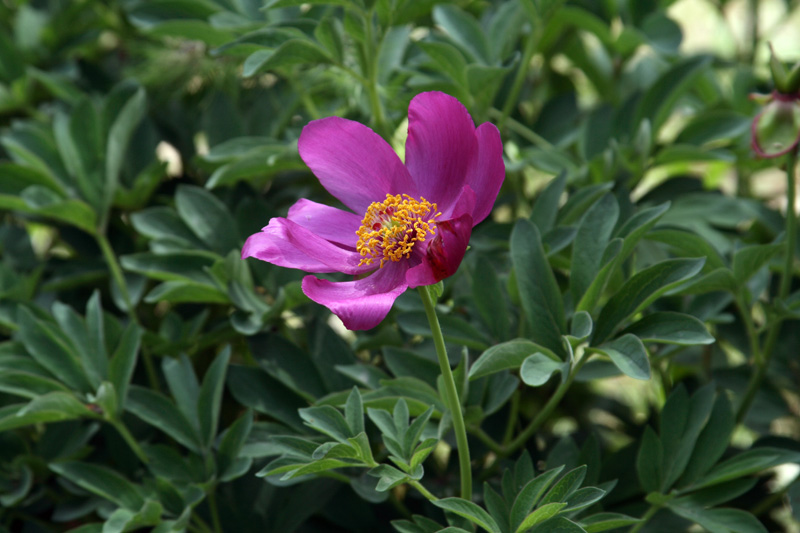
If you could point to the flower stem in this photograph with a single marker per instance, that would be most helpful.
(451, 395)
(422, 490)
(130, 440)
(646, 518)
(371, 48)
(545, 413)
(119, 278)
(212, 505)
(765, 356)
(522, 71)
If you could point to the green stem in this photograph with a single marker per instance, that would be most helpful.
(513, 413)
(371, 59)
(522, 72)
(765, 356)
(119, 278)
(451, 395)
(212, 505)
(522, 130)
(422, 490)
(545, 413)
(487, 440)
(126, 435)
(646, 518)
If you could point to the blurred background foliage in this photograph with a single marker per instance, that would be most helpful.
(147, 373)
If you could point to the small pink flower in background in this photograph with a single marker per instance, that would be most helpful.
(410, 224)
(775, 131)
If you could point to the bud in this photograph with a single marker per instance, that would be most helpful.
(776, 130)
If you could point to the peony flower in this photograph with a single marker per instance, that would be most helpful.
(410, 223)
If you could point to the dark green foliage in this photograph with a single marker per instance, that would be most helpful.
(622, 328)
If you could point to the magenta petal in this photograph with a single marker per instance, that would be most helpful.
(444, 254)
(287, 244)
(363, 303)
(353, 162)
(328, 222)
(487, 171)
(464, 204)
(441, 143)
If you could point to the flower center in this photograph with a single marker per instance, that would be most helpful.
(390, 228)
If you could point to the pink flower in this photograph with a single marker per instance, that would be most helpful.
(410, 223)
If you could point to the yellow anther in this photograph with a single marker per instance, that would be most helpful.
(390, 228)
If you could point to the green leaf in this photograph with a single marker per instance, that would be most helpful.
(454, 329)
(545, 512)
(102, 481)
(354, 412)
(744, 464)
(470, 511)
(581, 325)
(390, 477)
(57, 405)
(407, 363)
(447, 59)
(163, 223)
(184, 266)
(649, 461)
(360, 443)
(629, 355)
(712, 441)
(329, 33)
(210, 398)
(327, 420)
(23, 481)
(657, 102)
(712, 125)
(187, 292)
(49, 346)
(158, 411)
(318, 466)
(183, 386)
(671, 328)
(641, 289)
(192, 30)
(594, 232)
(678, 451)
(721, 520)
(663, 33)
(583, 498)
(464, 30)
(252, 387)
(545, 208)
(207, 217)
(392, 50)
(538, 290)
(559, 524)
(292, 52)
(28, 385)
(123, 362)
(119, 135)
(530, 495)
(95, 359)
(568, 484)
(507, 355)
(687, 244)
(721, 279)
(537, 369)
(605, 521)
(414, 431)
(747, 261)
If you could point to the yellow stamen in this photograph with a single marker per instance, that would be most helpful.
(390, 228)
